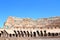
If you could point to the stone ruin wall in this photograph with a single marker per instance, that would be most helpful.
(29, 28)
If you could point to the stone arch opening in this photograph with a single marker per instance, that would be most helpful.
(56, 34)
(34, 34)
(28, 33)
(13, 35)
(45, 34)
(22, 33)
(0, 34)
(10, 35)
(18, 33)
(52, 34)
(49, 34)
(15, 31)
(38, 33)
(41, 33)
(31, 33)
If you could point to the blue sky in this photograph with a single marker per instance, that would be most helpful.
(28, 8)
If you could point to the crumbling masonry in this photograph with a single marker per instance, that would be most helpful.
(20, 28)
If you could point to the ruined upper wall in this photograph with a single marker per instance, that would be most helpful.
(14, 22)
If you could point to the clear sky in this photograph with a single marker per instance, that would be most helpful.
(28, 8)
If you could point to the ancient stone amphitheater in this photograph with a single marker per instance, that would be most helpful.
(31, 29)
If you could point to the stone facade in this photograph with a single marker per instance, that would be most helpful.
(30, 29)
